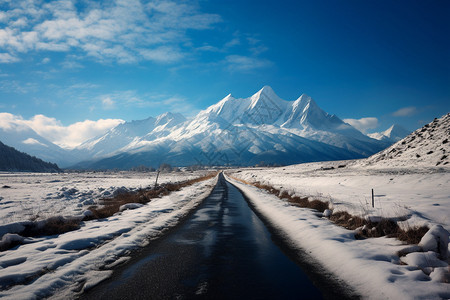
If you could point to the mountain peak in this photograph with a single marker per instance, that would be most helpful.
(392, 134)
(265, 91)
(265, 97)
(169, 118)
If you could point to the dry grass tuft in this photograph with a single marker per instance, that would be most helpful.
(346, 220)
(385, 227)
(412, 235)
(51, 226)
(59, 225)
(366, 228)
(294, 200)
(110, 206)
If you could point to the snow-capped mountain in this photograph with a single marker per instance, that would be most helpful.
(391, 135)
(428, 146)
(234, 131)
(25, 139)
(129, 133)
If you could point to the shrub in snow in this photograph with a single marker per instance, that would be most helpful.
(130, 206)
(121, 190)
(374, 219)
(436, 239)
(441, 275)
(16, 227)
(424, 260)
(88, 202)
(9, 240)
(87, 214)
(327, 213)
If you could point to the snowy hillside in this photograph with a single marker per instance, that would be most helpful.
(13, 160)
(427, 146)
(261, 128)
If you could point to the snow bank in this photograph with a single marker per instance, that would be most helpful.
(417, 196)
(38, 196)
(436, 239)
(79, 259)
(371, 266)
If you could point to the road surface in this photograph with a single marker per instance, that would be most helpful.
(221, 251)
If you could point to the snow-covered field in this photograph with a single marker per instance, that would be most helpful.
(419, 196)
(36, 196)
(62, 265)
(371, 266)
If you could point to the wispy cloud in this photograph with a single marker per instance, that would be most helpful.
(7, 58)
(163, 102)
(14, 86)
(234, 42)
(363, 124)
(405, 111)
(120, 31)
(108, 103)
(249, 57)
(245, 63)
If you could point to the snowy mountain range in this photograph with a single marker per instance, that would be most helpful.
(234, 131)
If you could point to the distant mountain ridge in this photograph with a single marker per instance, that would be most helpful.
(126, 134)
(391, 135)
(26, 140)
(234, 131)
(13, 160)
(262, 128)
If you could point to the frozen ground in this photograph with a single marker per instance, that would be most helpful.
(372, 266)
(35, 196)
(419, 195)
(63, 265)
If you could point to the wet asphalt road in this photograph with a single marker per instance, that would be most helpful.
(222, 251)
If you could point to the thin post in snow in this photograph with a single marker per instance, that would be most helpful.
(373, 201)
(156, 181)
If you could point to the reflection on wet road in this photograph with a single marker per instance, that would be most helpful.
(222, 251)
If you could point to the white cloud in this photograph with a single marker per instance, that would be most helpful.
(7, 58)
(234, 42)
(245, 63)
(363, 124)
(405, 112)
(161, 102)
(53, 130)
(108, 103)
(161, 54)
(107, 31)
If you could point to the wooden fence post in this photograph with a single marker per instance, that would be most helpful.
(373, 201)
(156, 181)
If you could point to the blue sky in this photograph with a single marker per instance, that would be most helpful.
(66, 65)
